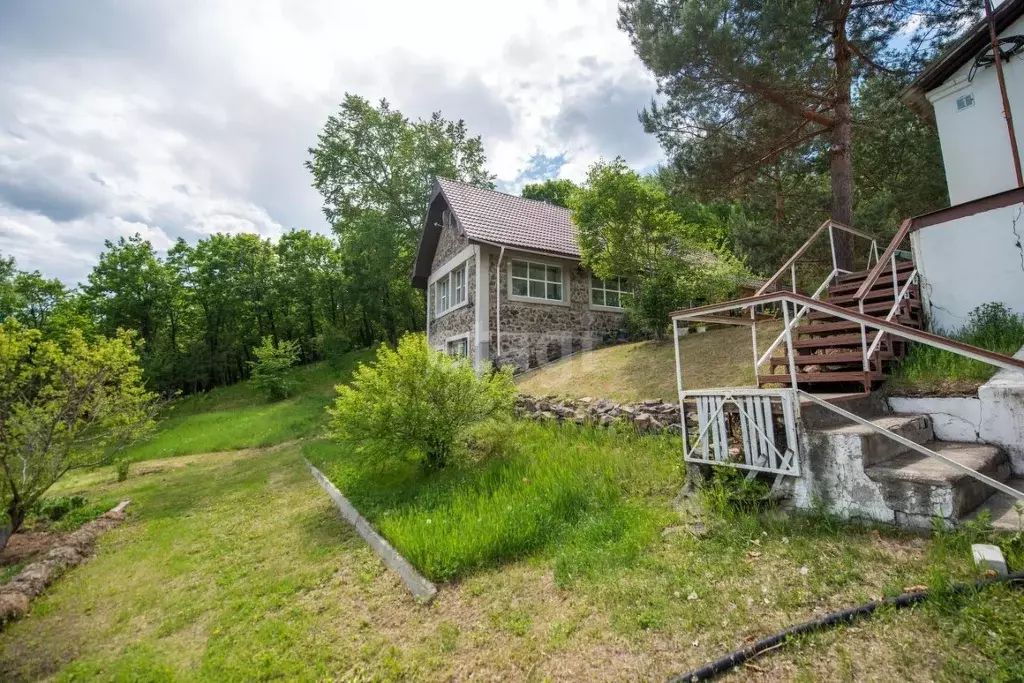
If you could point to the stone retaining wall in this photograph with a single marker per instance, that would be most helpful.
(648, 417)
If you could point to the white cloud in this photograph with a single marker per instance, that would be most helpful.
(184, 118)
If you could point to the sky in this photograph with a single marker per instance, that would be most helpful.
(182, 118)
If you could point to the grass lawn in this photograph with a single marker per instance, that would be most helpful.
(229, 418)
(645, 370)
(234, 566)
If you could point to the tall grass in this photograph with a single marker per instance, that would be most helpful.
(580, 492)
(927, 369)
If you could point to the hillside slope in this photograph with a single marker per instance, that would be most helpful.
(646, 370)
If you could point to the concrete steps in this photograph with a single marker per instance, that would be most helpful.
(858, 472)
(918, 487)
(1002, 509)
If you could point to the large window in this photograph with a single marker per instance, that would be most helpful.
(450, 290)
(610, 292)
(536, 281)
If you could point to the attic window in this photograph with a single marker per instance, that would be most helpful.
(964, 101)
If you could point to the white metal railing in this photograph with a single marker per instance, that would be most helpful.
(737, 427)
(883, 325)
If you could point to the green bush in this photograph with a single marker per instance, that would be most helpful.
(55, 508)
(122, 465)
(270, 369)
(419, 402)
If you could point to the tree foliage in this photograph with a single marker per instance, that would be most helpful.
(374, 168)
(553, 191)
(746, 81)
(418, 402)
(270, 369)
(628, 227)
(64, 406)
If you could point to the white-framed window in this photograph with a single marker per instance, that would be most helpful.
(442, 295)
(450, 290)
(458, 285)
(458, 347)
(610, 293)
(532, 280)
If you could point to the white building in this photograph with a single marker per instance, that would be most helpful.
(971, 254)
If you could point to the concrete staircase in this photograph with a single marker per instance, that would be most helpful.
(856, 472)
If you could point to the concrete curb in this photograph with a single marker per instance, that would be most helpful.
(422, 589)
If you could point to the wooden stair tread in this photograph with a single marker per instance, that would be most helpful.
(833, 341)
(882, 307)
(826, 358)
(857, 376)
(884, 281)
(901, 267)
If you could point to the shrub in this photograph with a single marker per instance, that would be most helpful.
(270, 369)
(55, 508)
(417, 401)
(122, 465)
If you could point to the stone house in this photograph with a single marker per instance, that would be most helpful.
(504, 282)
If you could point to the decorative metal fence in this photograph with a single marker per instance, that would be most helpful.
(753, 429)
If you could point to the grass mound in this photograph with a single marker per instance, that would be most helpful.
(579, 490)
(237, 416)
(647, 370)
(927, 370)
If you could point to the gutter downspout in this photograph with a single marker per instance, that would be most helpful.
(497, 302)
(997, 56)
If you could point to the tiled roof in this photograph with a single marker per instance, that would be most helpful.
(499, 218)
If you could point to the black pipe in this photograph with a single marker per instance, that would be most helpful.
(736, 658)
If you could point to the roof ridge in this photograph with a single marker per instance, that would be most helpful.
(504, 194)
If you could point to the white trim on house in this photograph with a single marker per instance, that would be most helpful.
(483, 305)
(604, 307)
(450, 270)
(451, 264)
(564, 301)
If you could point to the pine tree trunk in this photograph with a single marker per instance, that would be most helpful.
(842, 149)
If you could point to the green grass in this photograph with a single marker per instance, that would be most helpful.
(645, 370)
(234, 566)
(927, 370)
(534, 487)
(235, 417)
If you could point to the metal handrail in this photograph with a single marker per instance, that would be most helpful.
(896, 329)
(887, 255)
(793, 259)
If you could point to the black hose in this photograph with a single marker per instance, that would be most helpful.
(722, 665)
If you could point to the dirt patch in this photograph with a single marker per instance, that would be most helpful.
(23, 547)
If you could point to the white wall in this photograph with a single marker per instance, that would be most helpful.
(975, 143)
(968, 262)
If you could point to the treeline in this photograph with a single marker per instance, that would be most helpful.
(203, 308)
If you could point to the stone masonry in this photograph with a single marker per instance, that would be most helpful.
(648, 417)
(462, 320)
(533, 334)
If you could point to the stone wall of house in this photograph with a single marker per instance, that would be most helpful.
(646, 416)
(533, 334)
(461, 320)
(449, 243)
